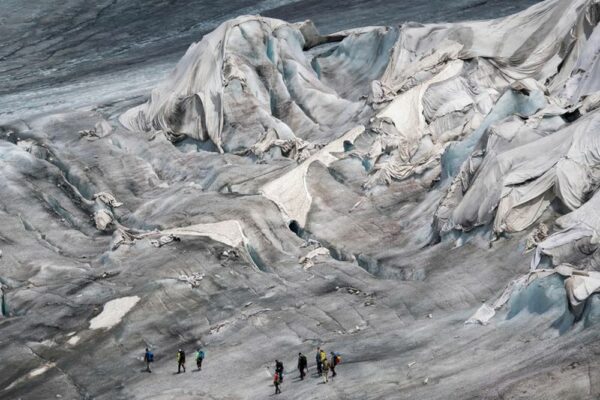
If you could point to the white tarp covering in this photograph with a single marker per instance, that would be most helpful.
(227, 232)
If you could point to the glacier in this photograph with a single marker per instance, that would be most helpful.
(421, 198)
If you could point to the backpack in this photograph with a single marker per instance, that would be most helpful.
(200, 355)
(150, 356)
(337, 359)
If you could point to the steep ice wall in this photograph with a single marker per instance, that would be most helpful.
(437, 94)
(485, 108)
(252, 75)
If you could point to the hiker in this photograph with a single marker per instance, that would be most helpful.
(302, 365)
(277, 382)
(180, 361)
(335, 360)
(323, 356)
(199, 358)
(325, 370)
(279, 370)
(148, 358)
(319, 362)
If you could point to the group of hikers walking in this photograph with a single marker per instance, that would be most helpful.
(199, 355)
(324, 365)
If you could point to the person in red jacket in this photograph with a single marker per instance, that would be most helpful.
(276, 382)
(335, 360)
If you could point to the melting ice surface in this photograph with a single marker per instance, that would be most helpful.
(279, 188)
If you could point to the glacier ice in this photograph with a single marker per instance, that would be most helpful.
(367, 191)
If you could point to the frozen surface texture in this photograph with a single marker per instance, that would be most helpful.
(421, 198)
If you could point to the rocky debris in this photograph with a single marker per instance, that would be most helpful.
(370, 301)
(538, 235)
(121, 236)
(229, 256)
(164, 240)
(309, 260)
(103, 218)
(100, 130)
(353, 290)
(194, 279)
(369, 297)
(103, 214)
(228, 232)
(107, 199)
(311, 243)
(295, 148)
(217, 328)
(106, 275)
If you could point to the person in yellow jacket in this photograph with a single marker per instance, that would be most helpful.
(180, 361)
(325, 370)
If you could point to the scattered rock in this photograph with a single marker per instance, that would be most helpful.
(163, 240)
(311, 243)
(309, 260)
(103, 218)
(107, 199)
(537, 236)
(574, 365)
(194, 279)
(100, 130)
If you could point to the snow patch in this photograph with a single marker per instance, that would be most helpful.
(74, 340)
(39, 371)
(113, 312)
